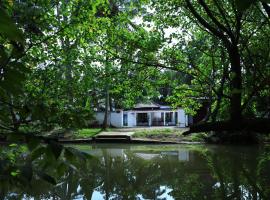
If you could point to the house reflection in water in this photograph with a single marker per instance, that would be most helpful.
(109, 152)
(168, 172)
(182, 154)
(147, 156)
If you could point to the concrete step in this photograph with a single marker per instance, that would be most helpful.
(111, 140)
(113, 136)
(87, 140)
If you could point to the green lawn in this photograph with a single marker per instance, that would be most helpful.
(169, 134)
(87, 132)
(157, 132)
(164, 134)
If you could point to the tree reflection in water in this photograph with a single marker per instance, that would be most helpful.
(160, 172)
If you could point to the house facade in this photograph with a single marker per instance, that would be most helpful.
(145, 115)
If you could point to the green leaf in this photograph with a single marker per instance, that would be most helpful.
(71, 153)
(37, 152)
(46, 177)
(13, 145)
(14, 74)
(244, 5)
(15, 137)
(8, 28)
(61, 168)
(27, 171)
(69, 156)
(32, 142)
(15, 173)
(56, 149)
(3, 55)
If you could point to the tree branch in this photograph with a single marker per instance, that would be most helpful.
(213, 30)
(266, 8)
(216, 22)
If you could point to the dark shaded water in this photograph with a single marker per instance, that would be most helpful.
(162, 172)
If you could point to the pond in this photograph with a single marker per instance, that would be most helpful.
(119, 171)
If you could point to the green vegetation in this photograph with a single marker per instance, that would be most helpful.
(87, 132)
(169, 134)
(196, 137)
(158, 132)
(233, 168)
(60, 61)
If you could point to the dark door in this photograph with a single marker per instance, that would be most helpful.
(125, 119)
(142, 119)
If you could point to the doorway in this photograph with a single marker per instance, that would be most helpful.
(125, 119)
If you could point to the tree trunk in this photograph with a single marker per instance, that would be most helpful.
(15, 122)
(236, 85)
(65, 45)
(69, 83)
(259, 125)
(111, 103)
(107, 105)
(220, 91)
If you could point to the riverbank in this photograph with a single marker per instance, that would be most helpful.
(169, 135)
(156, 135)
(153, 135)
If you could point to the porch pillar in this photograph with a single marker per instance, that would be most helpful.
(164, 123)
(150, 119)
(136, 116)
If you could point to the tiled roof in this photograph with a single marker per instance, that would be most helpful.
(146, 105)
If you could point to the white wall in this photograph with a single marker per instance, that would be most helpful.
(131, 119)
(157, 115)
(99, 117)
(181, 118)
(117, 119)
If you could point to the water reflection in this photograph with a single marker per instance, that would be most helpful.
(160, 172)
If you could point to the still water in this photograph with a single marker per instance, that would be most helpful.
(130, 172)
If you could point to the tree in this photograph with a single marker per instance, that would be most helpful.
(214, 42)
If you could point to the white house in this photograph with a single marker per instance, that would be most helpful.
(146, 115)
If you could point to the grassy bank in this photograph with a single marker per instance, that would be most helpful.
(168, 134)
(162, 134)
(86, 133)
